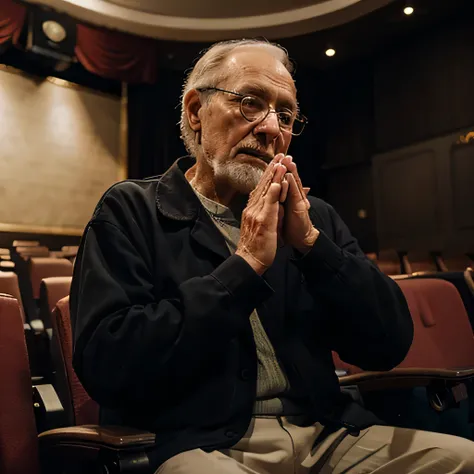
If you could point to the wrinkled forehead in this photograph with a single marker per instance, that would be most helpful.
(257, 68)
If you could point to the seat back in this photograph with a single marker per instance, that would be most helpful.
(388, 262)
(26, 252)
(9, 285)
(70, 251)
(419, 262)
(7, 265)
(41, 268)
(25, 243)
(52, 290)
(18, 437)
(454, 263)
(79, 407)
(443, 334)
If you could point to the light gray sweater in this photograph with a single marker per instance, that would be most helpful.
(271, 380)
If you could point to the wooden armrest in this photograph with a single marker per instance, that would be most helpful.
(424, 273)
(111, 437)
(405, 377)
(92, 448)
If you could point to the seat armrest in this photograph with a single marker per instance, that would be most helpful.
(469, 279)
(37, 325)
(92, 448)
(110, 437)
(405, 378)
(49, 411)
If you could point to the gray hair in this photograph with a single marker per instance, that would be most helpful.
(207, 73)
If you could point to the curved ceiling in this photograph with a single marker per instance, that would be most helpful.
(211, 20)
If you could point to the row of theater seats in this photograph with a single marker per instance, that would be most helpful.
(25, 265)
(439, 365)
(392, 262)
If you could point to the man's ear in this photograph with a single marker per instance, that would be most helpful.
(192, 105)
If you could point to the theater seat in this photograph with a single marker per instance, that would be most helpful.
(443, 343)
(389, 262)
(454, 263)
(52, 290)
(7, 266)
(9, 285)
(25, 243)
(79, 408)
(429, 388)
(443, 335)
(41, 268)
(70, 251)
(416, 262)
(71, 449)
(18, 444)
(26, 252)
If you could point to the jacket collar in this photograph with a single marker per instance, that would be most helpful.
(174, 196)
(176, 200)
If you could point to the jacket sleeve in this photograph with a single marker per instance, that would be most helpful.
(133, 347)
(369, 324)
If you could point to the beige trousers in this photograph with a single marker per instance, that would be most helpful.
(275, 446)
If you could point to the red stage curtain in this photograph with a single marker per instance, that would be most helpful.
(116, 55)
(12, 17)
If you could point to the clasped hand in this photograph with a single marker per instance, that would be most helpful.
(277, 210)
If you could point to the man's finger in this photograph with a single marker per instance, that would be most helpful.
(284, 189)
(280, 171)
(272, 196)
(287, 160)
(264, 183)
(306, 191)
(293, 191)
(298, 181)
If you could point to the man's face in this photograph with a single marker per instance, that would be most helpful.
(238, 151)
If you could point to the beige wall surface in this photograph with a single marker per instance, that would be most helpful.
(59, 152)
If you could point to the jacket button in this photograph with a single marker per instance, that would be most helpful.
(230, 434)
(245, 374)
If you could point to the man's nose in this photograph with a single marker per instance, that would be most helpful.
(269, 128)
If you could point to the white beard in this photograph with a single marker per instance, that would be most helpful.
(243, 177)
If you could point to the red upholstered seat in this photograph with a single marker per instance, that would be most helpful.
(80, 409)
(40, 268)
(25, 243)
(9, 285)
(27, 252)
(454, 263)
(419, 262)
(52, 290)
(443, 335)
(388, 262)
(18, 442)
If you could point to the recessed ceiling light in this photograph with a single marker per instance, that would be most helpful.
(408, 10)
(330, 52)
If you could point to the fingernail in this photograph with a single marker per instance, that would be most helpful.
(290, 158)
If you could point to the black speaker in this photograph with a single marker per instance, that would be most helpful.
(51, 34)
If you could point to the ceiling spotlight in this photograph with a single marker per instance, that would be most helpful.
(54, 31)
(330, 52)
(408, 10)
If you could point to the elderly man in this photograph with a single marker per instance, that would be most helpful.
(206, 302)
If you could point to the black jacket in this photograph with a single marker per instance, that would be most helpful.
(160, 314)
